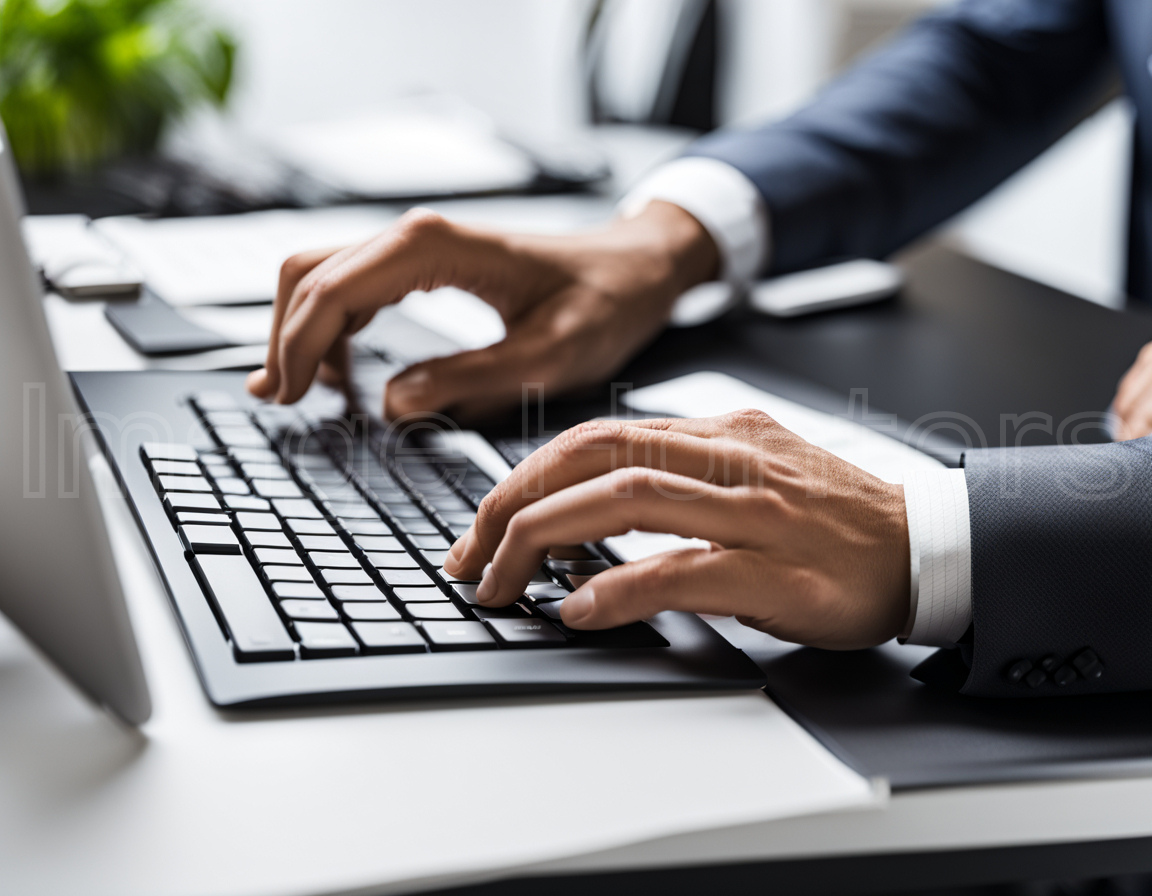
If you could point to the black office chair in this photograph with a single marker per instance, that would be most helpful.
(653, 63)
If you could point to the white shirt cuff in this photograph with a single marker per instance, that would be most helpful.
(940, 541)
(724, 201)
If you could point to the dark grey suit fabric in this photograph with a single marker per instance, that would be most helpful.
(1061, 563)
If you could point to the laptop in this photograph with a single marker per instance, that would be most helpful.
(302, 547)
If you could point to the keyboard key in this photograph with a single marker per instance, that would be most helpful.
(246, 502)
(240, 437)
(389, 637)
(378, 611)
(255, 627)
(233, 486)
(308, 609)
(418, 527)
(443, 610)
(311, 527)
(353, 512)
(297, 590)
(367, 527)
(357, 592)
(578, 567)
(210, 540)
(297, 508)
(394, 560)
(264, 471)
(275, 556)
(321, 639)
(526, 632)
(458, 635)
(187, 517)
(175, 468)
(228, 418)
(334, 560)
(379, 542)
(175, 501)
(435, 558)
(287, 574)
(406, 577)
(405, 511)
(546, 592)
(514, 611)
(462, 519)
(268, 539)
(183, 484)
(214, 401)
(276, 488)
(263, 521)
(466, 591)
(431, 542)
(346, 577)
(550, 609)
(419, 594)
(322, 543)
(168, 451)
(255, 456)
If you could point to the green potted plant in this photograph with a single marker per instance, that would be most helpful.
(83, 82)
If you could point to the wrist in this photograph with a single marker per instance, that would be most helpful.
(689, 254)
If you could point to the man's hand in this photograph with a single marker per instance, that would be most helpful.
(805, 546)
(1133, 402)
(576, 308)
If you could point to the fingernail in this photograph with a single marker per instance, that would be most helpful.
(577, 606)
(486, 590)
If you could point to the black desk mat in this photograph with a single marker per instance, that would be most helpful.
(866, 709)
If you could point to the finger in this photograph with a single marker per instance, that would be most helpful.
(1137, 382)
(591, 450)
(722, 583)
(424, 251)
(265, 382)
(648, 500)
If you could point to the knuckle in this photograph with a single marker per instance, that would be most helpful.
(293, 268)
(750, 420)
(589, 435)
(421, 224)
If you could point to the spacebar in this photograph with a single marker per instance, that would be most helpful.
(256, 629)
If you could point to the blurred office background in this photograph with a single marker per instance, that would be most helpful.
(525, 64)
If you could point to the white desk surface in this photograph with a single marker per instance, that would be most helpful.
(339, 801)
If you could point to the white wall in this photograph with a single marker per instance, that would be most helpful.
(308, 59)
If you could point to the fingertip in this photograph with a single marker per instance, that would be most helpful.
(408, 393)
(259, 383)
(578, 608)
(456, 553)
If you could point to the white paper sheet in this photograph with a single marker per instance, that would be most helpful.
(235, 258)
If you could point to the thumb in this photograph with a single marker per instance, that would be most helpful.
(472, 381)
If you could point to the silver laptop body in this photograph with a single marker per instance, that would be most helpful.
(58, 582)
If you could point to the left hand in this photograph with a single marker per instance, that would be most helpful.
(805, 546)
(1133, 402)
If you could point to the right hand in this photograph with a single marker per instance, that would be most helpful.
(575, 308)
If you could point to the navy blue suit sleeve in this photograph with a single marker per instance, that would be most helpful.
(1061, 565)
(913, 134)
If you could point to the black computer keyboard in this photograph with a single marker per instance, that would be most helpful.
(316, 539)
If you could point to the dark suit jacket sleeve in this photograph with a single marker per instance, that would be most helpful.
(1061, 565)
(924, 127)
